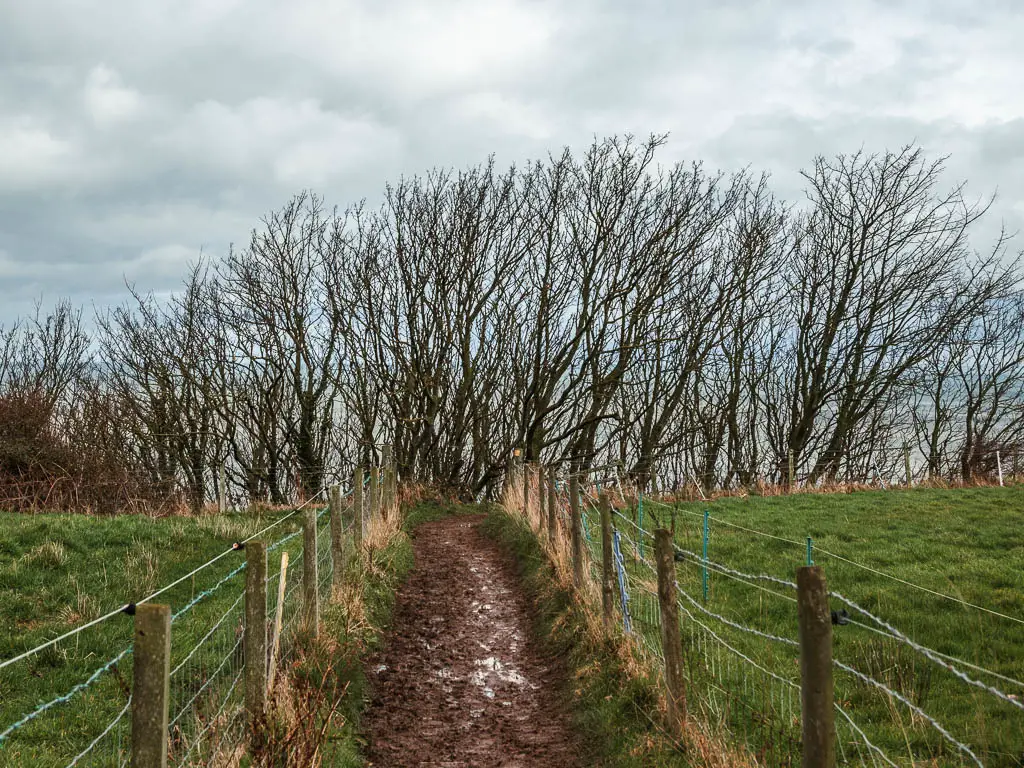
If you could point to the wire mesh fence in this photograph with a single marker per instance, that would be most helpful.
(68, 701)
(897, 701)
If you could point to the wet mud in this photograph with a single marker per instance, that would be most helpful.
(459, 682)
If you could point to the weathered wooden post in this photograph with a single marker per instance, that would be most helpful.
(671, 642)
(358, 519)
(515, 467)
(151, 685)
(906, 464)
(552, 508)
(999, 468)
(254, 639)
(816, 694)
(577, 531)
(391, 489)
(541, 498)
(337, 538)
(275, 638)
(310, 574)
(792, 471)
(607, 566)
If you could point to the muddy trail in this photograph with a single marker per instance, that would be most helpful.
(460, 682)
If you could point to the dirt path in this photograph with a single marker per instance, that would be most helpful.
(460, 683)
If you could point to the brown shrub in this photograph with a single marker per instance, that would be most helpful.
(44, 466)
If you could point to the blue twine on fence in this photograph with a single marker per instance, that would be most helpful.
(623, 590)
(207, 592)
(65, 697)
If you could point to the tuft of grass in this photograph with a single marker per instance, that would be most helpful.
(50, 554)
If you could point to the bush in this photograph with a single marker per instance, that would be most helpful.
(44, 466)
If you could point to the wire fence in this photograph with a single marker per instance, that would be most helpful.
(78, 686)
(898, 701)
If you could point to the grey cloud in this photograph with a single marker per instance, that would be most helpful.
(132, 135)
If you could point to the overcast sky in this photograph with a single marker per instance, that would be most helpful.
(135, 133)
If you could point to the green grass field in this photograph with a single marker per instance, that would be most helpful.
(968, 544)
(60, 571)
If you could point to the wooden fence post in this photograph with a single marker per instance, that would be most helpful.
(337, 538)
(792, 472)
(358, 521)
(577, 531)
(391, 489)
(542, 498)
(607, 567)
(275, 642)
(999, 468)
(515, 465)
(151, 685)
(254, 640)
(552, 509)
(816, 694)
(671, 642)
(388, 470)
(310, 574)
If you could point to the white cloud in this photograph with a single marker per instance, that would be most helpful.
(134, 133)
(107, 100)
(506, 115)
(294, 143)
(419, 49)
(30, 154)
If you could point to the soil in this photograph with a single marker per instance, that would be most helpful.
(460, 681)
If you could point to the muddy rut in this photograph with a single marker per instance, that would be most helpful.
(460, 683)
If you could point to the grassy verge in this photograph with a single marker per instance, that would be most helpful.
(966, 543)
(315, 718)
(317, 715)
(614, 698)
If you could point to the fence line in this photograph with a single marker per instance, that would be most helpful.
(719, 667)
(206, 704)
(862, 566)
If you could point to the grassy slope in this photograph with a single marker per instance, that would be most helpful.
(966, 543)
(58, 571)
(615, 709)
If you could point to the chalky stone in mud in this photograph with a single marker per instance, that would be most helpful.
(460, 683)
